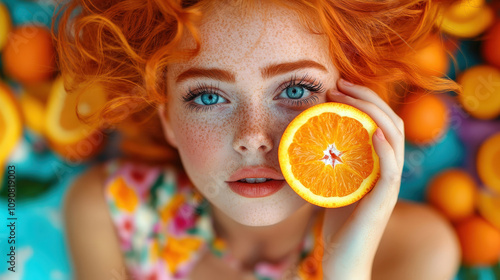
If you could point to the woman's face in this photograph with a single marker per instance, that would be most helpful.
(226, 112)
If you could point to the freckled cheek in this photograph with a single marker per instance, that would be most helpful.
(200, 144)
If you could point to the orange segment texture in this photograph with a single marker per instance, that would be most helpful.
(326, 154)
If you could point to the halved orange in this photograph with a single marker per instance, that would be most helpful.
(67, 134)
(11, 124)
(479, 20)
(326, 155)
(33, 112)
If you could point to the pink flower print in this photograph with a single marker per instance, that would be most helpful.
(272, 271)
(161, 271)
(157, 227)
(142, 177)
(126, 227)
(183, 220)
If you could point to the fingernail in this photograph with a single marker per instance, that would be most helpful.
(346, 82)
(380, 134)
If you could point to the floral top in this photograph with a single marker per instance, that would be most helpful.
(164, 225)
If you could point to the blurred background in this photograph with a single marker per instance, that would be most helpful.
(452, 159)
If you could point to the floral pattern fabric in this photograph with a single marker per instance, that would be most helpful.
(164, 225)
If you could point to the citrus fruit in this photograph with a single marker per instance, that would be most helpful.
(465, 9)
(488, 162)
(33, 112)
(11, 124)
(432, 59)
(40, 91)
(5, 25)
(67, 134)
(481, 94)
(491, 45)
(453, 193)
(480, 242)
(476, 22)
(326, 155)
(29, 55)
(488, 205)
(425, 117)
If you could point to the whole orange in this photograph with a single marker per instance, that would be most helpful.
(480, 242)
(453, 192)
(29, 55)
(491, 45)
(425, 117)
(432, 59)
(480, 92)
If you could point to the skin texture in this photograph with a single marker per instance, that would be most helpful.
(376, 238)
(245, 127)
(245, 130)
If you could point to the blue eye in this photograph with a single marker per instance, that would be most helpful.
(208, 99)
(295, 92)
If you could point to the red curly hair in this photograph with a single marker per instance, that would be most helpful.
(126, 47)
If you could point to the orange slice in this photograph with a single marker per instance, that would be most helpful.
(464, 10)
(33, 112)
(481, 18)
(488, 162)
(67, 134)
(11, 125)
(326, 155)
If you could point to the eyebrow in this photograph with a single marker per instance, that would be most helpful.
(267, 72)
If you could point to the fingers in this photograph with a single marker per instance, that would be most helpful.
(354, 240)
(367, 222)
(394, 135)
(361, 92)
(385, 193)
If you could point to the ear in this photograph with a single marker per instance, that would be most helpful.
(167, 127)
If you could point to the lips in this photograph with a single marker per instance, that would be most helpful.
(238, 183)
(256, 189)
(256, 172)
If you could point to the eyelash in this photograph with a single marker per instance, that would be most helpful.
(306, 82)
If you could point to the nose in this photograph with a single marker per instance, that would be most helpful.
(253, 132)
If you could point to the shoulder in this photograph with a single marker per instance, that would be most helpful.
(91, 237)
(86, 192)
(418, 240)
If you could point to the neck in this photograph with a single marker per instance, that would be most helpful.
(250, 245)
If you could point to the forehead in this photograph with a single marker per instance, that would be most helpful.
(236, 39)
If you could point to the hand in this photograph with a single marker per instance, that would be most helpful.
(350, 243)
